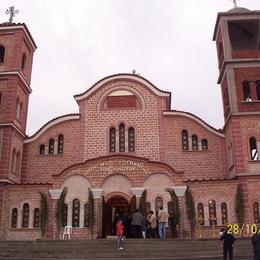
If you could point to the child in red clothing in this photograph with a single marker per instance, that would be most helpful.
(119, 232)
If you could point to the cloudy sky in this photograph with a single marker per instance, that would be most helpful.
(169, 42)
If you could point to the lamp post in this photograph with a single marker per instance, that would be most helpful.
(199, 220)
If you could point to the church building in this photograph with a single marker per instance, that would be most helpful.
(127, 147)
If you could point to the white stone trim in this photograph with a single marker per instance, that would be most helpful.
(55, 194)
(179, 113)
(17, 73)
(49, 125)
(179, 190)
(7, 181)
(97, 193)
(137, 191)
(20, 27)
(102, 82)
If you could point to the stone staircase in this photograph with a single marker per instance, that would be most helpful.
(133, 249)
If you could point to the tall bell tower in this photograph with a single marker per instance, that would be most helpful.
(237, 37)
(16, 56)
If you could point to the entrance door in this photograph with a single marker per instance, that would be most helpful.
(114, 209)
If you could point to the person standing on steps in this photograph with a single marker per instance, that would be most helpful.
(256, 245)
(162, 219)
(119, 232)
(153, 225)
(137, 224)
(228, 244)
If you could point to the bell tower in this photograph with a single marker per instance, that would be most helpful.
(237, 37)
(16, 55)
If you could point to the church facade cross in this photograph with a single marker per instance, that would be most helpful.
(235, 3)
(12, 13)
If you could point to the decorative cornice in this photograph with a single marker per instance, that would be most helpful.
(14, 26)
(179, 190)
(97, 193)
(6, 181)
(20, 76)
(122, 76)
(51, 123)
(137, 191)
(195, 118)
(15, 127)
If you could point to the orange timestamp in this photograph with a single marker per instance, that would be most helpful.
(249, 229)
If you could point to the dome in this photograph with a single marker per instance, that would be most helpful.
(238, 10)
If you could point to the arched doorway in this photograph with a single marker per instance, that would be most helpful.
(113, 209)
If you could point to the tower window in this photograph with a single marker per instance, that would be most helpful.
(200, 209)
(60, 144)
(112, 140)
(256, 212)
(23, 61)
(18, 109)
(36, 218)
(258, 89)
(42, 149)
(131, 139)
(26, 212)
(51, 146)
(121, 138)
(2, 53)
(75, 213)
(195, 145)
(13, 161)
(204, 143)
(17, 166)
(246, 91)
(14, 218)
(224, 213)
(253, 149)
(185, 140)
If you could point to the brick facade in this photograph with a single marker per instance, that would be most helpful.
(126, 139)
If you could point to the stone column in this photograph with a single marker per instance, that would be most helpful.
(180, 192)
(97, 196)
(55, 195)
(137, 191)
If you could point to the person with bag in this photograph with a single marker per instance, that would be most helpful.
(228, 244)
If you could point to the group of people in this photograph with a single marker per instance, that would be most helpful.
(228, 244)
(138, 226)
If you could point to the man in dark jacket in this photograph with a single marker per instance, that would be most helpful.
(228, 241)
(256, 245)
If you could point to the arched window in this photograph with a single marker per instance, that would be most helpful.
(131, 139)
(17, 166)
(1, 100)
(158, 204)
(64, 215)
(36, 218)
(253, 149)
(200, 209)
(220, 52)
(185, 140)
(112, 140)
(60, 144)
(204, 144)
(170, 212)
(224, 213)
(18, 109)
(121, 138)
(2, 53)
(212, 212)
(75, 213)
(23, 61)
(195, 145)
(86, 212)
(257, 89)
(13, 161)
(246, 91)
(256, 212)
(51, 146)
(26, 212)
(14, 218)
(42, 149)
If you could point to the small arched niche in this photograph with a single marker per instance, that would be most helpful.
(121, 99)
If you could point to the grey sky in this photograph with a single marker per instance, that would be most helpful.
(169, 42)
